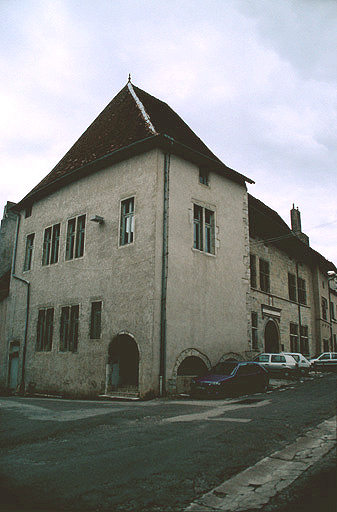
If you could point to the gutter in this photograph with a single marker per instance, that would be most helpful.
(27, 283)
(163, 330)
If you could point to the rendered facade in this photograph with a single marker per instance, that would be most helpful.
(133, 265)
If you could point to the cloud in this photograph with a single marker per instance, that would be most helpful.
(255, 79)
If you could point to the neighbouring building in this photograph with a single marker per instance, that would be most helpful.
(134, 263)
(289, 285)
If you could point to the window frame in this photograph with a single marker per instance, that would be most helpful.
(254, 320)
(304, 340)
(69, 328)
(96, 320)
(27, 265)
(45, 328)
(253, 270)
(51, 245)
(127, 221)
(292, 287)
(203, 177)
(301, 291)
(203, 229)
(75, 237)
(324, 303)
(264, 275)
(293, 335)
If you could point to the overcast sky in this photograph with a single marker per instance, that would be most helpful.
(255, 79)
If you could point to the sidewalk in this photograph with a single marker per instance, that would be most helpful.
(253, 488)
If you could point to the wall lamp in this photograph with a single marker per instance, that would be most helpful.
(97, 218)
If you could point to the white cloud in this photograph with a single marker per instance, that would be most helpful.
(255, 79)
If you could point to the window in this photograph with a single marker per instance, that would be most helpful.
(203, 177)
(51, 242)
(304, 342)
(127, 221)
(254, 331)
(203, 229)
(69, 328)
(44, 338)
(324, 308)
(292, 287)
(262, 358)
(75, 237)
(29, 252)
(293, 337)
(28, 211)
(264, 276)
(253, 280)
(302, 294)
(277, 359)
(95, 322)
(332, 310)
(335, 341)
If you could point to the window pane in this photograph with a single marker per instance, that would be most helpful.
(79, 250)
(253, 282)
(95, 326)
(70, 239)
(197, 233)
(292, 287)
(127, 221)
(46, 246)
(64, 328)
(29, 252)
(55, 244)
(264, 276)
(209, 231)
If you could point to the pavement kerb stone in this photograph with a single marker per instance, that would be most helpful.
(255, 486)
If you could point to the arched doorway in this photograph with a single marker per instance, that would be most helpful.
(271, 337)
(192, 365)
(123, 364)
(189, 367)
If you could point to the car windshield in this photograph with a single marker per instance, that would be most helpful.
(224, 368)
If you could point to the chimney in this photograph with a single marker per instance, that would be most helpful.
(295, 216)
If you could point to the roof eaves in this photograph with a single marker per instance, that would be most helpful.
(88, 168)
(216, 163)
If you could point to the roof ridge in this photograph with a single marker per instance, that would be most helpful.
(142, 109)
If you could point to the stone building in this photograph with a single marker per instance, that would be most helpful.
(289, 284)
(132, 264)
(131, 258)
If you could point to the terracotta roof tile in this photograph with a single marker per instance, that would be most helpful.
(125, 121)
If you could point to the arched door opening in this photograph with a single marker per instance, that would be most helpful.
(271, 338)
(123, 364)
(191, 366)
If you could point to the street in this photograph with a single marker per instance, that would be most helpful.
(155, 456)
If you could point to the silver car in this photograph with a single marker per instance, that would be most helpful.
(302, 362)
(277, 363)
(326, 361)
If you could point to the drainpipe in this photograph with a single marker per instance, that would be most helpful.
(299, 310)
(162, 373)
(24, 348)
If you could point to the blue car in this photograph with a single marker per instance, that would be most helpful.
(230, 378)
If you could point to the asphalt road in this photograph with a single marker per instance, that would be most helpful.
(155, 456)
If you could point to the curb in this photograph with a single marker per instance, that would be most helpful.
(254, 487)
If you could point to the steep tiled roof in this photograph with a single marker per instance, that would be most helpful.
(131, 118)
(267, 225)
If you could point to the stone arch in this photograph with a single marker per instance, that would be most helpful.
(190, 353)
(123, 363)
(271, 337)
(231, 356)
(190, 363)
